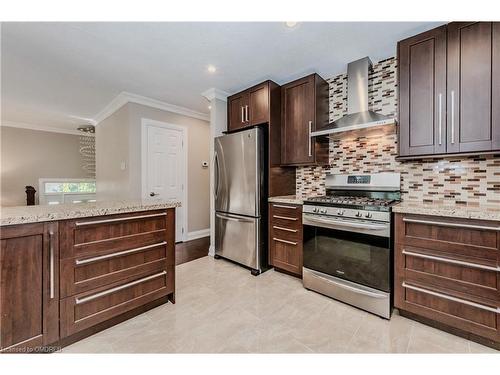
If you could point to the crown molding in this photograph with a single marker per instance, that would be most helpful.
(214, 93)
(23, 125)
(126, 97)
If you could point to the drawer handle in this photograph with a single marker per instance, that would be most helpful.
(285, 218)
(455, 225)
(51, 264)
(285, 241)
(82, 223)
(286, 229)
(79, 301)
(454, 299)
(79, 262)
(452, 261)
(282, 206)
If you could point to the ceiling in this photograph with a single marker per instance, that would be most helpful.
(60, 75)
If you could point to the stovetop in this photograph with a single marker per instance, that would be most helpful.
(349, 201)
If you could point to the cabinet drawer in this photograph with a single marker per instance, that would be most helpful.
(461, 313)
(286, 210)
(287, 255)
(453, 238)
(81, 274)
(100, 235)
(469, 278)
(90, 308)
(285, 233)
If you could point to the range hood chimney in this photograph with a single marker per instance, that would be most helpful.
(358, 115)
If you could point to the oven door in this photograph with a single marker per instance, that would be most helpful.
(353, 250)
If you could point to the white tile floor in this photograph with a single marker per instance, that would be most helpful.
(221, 308)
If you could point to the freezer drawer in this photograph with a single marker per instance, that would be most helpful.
(237, 238)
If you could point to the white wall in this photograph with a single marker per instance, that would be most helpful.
(27, 155)
(112, 149)
(119, 140)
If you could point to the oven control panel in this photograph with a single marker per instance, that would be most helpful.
(347, 213)
(359, 179)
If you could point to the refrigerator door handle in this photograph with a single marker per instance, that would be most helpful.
(216, 182)
(233, 218)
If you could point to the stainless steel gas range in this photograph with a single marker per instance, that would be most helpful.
(348, 240)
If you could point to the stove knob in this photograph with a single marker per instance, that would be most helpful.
(315, 209)
(323, 211)
(368, 215)
(340, 212)
(358, 214)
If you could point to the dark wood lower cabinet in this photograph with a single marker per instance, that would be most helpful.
(29, 285)
(285, 237)
(112, 267)
(447, 272)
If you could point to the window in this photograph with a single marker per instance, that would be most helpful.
(66, 190)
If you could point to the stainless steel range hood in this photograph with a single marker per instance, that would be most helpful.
(358, 115)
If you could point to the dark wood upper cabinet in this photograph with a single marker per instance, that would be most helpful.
(236, 107)
(422, 93)
(250, 107)
(29, 286)
(449, 90)
(259, 104)
(304, 108)
(470, 83)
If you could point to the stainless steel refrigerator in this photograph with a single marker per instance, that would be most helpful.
(240, 196)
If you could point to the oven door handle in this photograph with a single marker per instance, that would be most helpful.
(349, 224)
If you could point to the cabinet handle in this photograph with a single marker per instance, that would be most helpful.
(451, 298)
(284, 241)
(285, 217)
(79, 262)
(79, 301)
(440, 117)
(82, 223)
(452, 117)
(242, 114)
(246, 113)
(310, 138)
(454, 225)
(285, 229)
(283, 206)
(451, 261)
(51, 265)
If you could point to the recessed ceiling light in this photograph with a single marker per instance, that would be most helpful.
(209, 107)
(211, 69)
(291, 24)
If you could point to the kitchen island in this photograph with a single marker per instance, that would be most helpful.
(68, 271)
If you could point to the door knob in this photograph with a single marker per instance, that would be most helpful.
(152, 194)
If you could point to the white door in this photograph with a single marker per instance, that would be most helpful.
(166, 168)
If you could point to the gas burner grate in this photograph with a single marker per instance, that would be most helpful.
(351, 200)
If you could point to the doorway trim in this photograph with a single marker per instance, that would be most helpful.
(145, 122)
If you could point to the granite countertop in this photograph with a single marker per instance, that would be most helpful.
(33, 214)
(290, 199)
(449, 210)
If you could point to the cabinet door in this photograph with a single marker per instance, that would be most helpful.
(29, 290)
(297, 111)
(471, 126)
(258, 105)
(237, 111)
(422, 93)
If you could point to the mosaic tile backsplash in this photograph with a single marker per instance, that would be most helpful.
(459, 180)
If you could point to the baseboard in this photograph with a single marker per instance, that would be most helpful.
(198, 234)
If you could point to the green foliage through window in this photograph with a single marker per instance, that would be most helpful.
(70, 187)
